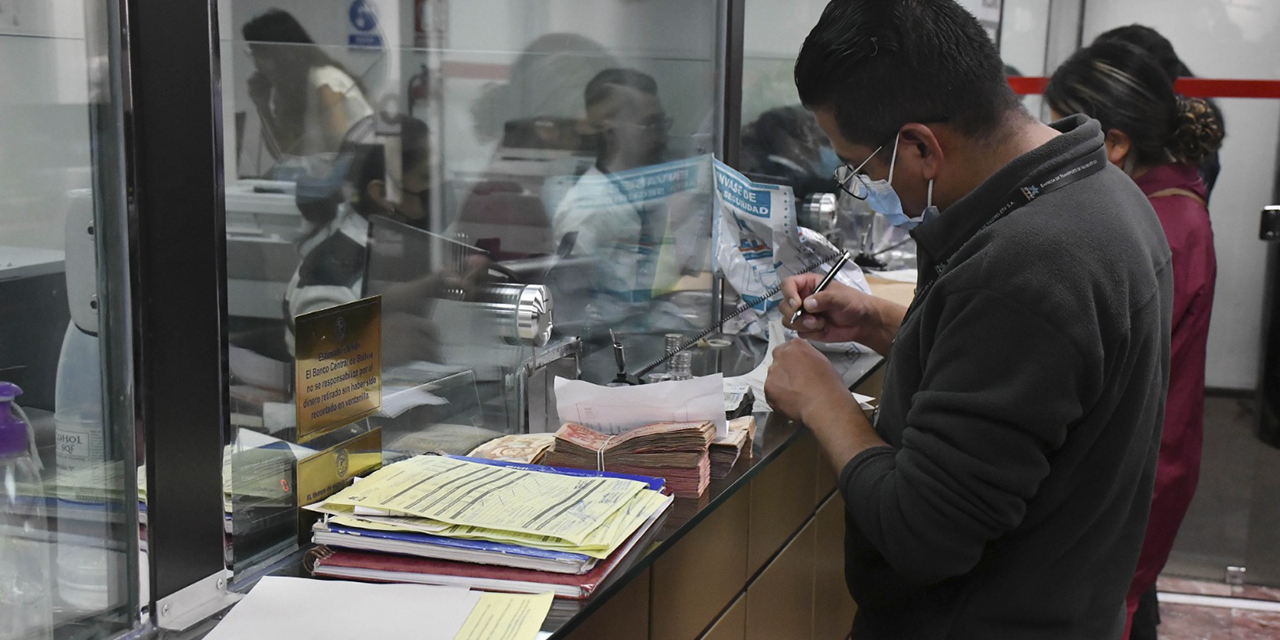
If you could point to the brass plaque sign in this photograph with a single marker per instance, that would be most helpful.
(323, 474)
(338, 366)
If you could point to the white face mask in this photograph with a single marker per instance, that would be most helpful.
(881, 197)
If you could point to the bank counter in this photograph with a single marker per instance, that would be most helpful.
(759, 555)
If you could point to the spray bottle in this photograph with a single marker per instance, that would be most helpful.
(26, 586)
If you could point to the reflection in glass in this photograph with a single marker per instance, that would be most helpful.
(782, 143)
(69, 534)
(461, 199)
(306, 100)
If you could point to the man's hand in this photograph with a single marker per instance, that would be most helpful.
(840, 313)
(803, 386)
(801, 377)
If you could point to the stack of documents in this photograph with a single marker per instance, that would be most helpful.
(487, 525)
(676, 451)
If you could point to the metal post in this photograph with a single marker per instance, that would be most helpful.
(180, 294)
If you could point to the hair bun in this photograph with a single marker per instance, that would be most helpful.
(1197, 133)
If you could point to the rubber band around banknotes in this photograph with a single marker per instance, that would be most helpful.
(600, 452)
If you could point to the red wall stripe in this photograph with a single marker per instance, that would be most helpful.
(1193, 87)
(1215, 88)
(1028, 85)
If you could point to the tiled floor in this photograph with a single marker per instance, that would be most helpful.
(1234, 520)
(1205, 588)
(1195, 622)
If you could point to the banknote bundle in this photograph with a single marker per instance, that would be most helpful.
(676, 451)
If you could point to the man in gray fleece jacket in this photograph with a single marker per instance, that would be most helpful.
(1003, 489)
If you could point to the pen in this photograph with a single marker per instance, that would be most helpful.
(826, 280)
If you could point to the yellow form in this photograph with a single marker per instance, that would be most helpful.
(601, 542)
(500, 498)
(506, 616)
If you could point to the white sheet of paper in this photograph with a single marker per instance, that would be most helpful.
(249, 439)
(866, 402)
(614, 410)
(397, 400)
(756, 377)
(337, 610)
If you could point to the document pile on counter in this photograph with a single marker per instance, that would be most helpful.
(484, 524)
(676, 451)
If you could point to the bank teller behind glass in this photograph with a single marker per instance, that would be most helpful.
(307, 101)
(623, 107)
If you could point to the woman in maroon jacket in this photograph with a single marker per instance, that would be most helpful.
(1159, 140)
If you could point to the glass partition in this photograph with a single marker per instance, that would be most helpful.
(782, 144)
(512, 179)
(69, 517)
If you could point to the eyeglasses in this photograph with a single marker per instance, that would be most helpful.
(850, 179)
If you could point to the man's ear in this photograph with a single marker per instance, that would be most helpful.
(918, 141)
(377, 192)
(1119, 145)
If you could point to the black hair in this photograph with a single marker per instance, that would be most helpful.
(784, 146)
(882, 64)
(1149, 40)
(1159, 48)
(276, 26)
(602, 85)
(1126, 89)
(277, 33)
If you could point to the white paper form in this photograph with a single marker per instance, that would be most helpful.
(755, 378)
(336, 610)
(614, 410)
(468, 493)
